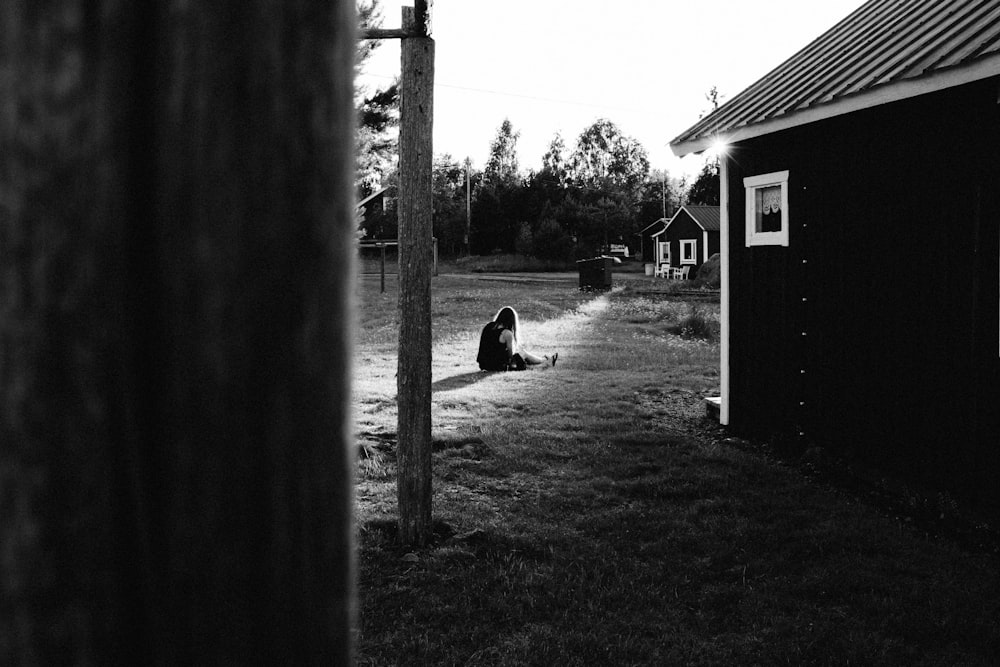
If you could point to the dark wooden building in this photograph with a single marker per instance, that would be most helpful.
(860, 274)
(373, 203)
(646, 243)
(689, 238)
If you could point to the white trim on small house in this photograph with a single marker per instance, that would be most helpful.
(689, 251)
(370, 197)
(653, 224)
(663, 252)
(758, 189)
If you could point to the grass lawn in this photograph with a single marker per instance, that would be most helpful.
(589, 513)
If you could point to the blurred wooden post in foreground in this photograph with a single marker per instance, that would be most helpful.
(176, 249)
(415, 261)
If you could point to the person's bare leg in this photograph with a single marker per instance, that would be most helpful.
(535, 360)
(532, 359)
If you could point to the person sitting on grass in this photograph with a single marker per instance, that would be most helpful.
(498, 348)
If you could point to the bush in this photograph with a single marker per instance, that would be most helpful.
(697, 324)
(710, 273)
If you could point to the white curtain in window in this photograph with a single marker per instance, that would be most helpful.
(771, 199)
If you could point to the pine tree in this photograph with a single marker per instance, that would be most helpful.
(376, 140)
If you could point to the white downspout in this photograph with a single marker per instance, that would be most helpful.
(724, 296)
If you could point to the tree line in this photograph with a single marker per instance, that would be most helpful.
(600, 192)
(584, 198)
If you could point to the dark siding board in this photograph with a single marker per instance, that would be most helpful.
(763, 349)
(986, 299)
(901, 311)
(768, 340)
(714, 243)
(648, 245)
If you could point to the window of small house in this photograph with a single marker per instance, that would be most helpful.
(767, 209)
(688, 252)
(664, 252)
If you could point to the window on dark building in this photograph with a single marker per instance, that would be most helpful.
(688, 252)
(767, 209)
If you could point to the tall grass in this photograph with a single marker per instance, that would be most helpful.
(698, 323)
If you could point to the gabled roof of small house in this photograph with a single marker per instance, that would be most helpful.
(661, 221)
(707, 217)
(885, 51)
(370, 198)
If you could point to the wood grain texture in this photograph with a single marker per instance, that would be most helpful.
(175, 246)
(415, 267)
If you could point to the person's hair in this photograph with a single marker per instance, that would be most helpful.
(507, 316)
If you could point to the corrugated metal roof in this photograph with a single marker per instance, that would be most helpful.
(706, 216)
(884, 51)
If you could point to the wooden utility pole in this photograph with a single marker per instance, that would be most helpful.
(177, 260)
(416, 257)
(663, 192)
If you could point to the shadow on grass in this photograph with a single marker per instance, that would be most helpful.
(459, 381)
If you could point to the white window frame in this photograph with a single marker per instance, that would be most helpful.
(689, 252)
(751, 185)
(664, 252)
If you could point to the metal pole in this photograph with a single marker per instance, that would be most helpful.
(382, 271)
(468, 207)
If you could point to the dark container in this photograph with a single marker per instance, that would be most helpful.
(595, 273)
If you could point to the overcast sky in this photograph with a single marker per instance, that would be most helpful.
(556, 66)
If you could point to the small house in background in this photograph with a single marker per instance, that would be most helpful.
(373, 203)
(646, 243)
(377, 214)
(688, 239)
(860, 226)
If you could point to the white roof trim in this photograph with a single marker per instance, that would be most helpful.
(658, 221)
(674, 216)
(369, 198)
(893, 92)
(690, 215)
(676, 213)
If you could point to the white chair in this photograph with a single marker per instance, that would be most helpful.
(662, 271)
(681, 273)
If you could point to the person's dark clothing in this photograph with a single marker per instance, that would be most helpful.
(493, 352)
